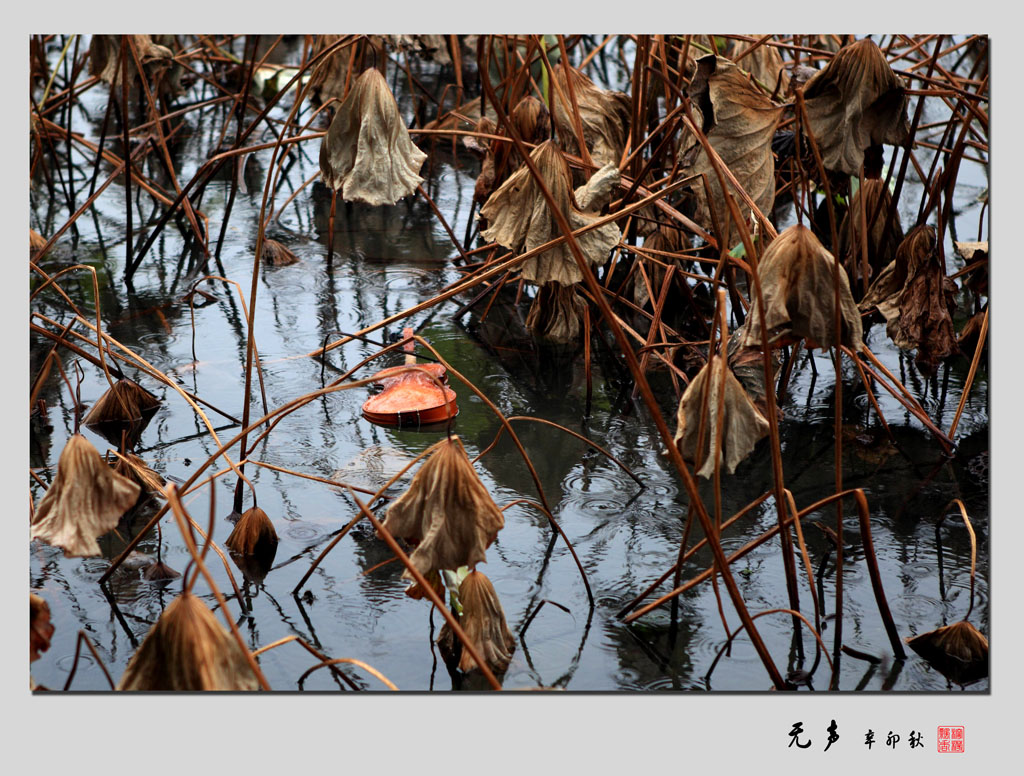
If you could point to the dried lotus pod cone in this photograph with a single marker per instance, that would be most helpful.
(84, 501)
(253, 534)
(123, 410)
(276, 255)
(959, 651)
(367, 154)
(446, 512)
(188, 650)
(483, 621)
(797, 285)
(40, 630)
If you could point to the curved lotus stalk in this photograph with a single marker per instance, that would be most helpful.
(253, 534)
(367, 154)
(447, 512)
(84, 501)
(926, 303)
(556, 313)
(188, 650)
(605, 116)
(742, 424)
(520, 220)
(855, 102)
(739, 121)
(797, 285)
(483, 620)
(870, 198)
(40, 630)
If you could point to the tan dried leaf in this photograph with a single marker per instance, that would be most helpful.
(84, 501)
(105, 56)
(519, 218)
(855, 102)
(188, 650)
(328, 78)
(605, 116)
(797, 284)
(367, 153)
(739, 121)
(40, 630)
(124, 402)
(764, 63)
(483, 620)
(959, 651)
(926, 304)
(742, 424)
(277, 255)
(253, 534)
(556, 313)
(446, 512)
(136, 470)
(873, 197)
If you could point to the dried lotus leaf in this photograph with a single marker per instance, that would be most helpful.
(855, 102)
(84, 501)
(796, 274)
(446, 512)
(556, 313)
(739, 121)
(367, 154)
(742, 424)
(605, 116)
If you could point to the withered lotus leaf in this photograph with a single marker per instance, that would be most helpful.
(105, 56)
(40, 630)
(124, 402)
(84, 501)
(446, 512)
(532, 120)
(739, 121)
(328, 78)
(926, 303)
(159, 571)
(556, 313)
(36, 242)
(187, 649)
(519, 218)
(253, 534)
(797, 285)
(605, 116)
(871, 198)
(483, 620)
(885, 292)
(277, 255)
(367, 153)
(959, 651)
(855, 102)
(136, 470)
(742, 424)
(764, 63)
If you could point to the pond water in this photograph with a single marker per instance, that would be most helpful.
(391, 258)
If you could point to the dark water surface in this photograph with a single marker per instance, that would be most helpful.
(391, 258)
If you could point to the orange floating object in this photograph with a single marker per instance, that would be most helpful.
(411, 396)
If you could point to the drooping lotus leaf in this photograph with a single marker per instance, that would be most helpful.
(253, 534)
(742, 424)
(519, 218)
(926, 304)
(84, 501)
(959, 651)
(483, 621)
(187, 649)
(430, 47)
(873, 197)
(885, 291)
(446, 512)
(764, 63)
(739, 121)
(328, 78)
(40, 628)
(796, 274)
(124, 402)
(855, 102)
(556, 313)
(277, 255)
(367, 154)
(105, 59)
(136, 470)
(605, 116)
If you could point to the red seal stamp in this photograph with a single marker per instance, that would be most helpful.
(951, 739)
